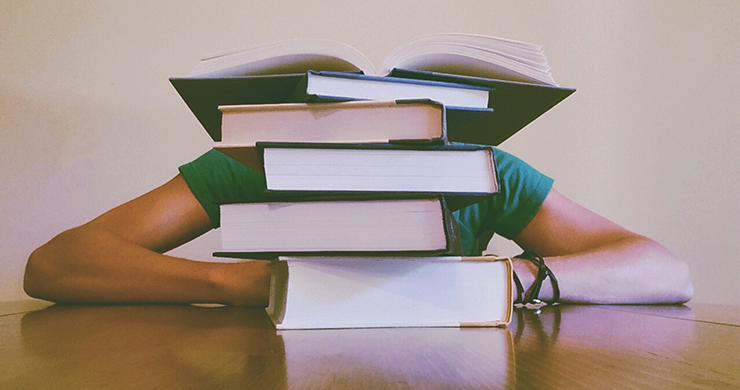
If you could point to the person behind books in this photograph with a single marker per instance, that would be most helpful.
(119, 256)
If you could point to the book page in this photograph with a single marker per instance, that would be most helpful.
(471, 55)
(286, 57)
(465, 65)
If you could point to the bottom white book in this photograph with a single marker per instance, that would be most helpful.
(379, 292)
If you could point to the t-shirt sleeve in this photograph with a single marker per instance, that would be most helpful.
(523, 189)
(215, 176)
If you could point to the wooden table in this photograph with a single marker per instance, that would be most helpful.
(190, 347)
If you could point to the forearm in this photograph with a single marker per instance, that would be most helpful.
(631, 270)
(89, 265)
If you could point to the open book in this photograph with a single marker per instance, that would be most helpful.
(461, 54)
(491, 87)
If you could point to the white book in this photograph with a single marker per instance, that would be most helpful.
(338, 225)
(448, 169)
(338, 85)
(373, 292)
(353, 122)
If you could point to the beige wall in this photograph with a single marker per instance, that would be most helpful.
(89, 120)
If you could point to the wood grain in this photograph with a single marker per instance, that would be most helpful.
(189, 347)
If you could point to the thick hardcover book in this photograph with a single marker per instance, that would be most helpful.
(371, 292)
(204, 96)
(386, 224)
(326, 85)
(364, 121)
(462, 173)
(510, 107)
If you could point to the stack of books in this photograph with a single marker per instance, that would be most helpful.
(364, 169)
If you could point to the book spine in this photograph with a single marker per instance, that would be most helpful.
(496, 177)
(455, 200)
(452, 230)
(365, 146)
(299, 93)
(483, 324)
(278, 290)
(444, 137)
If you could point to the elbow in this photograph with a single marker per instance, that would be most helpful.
(44, 269)
(33, 279)
(688, 293)
(683, 284)
(657, 275)
(672, 278)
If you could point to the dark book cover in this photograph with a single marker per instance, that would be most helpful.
(514, 104)
(204, 95)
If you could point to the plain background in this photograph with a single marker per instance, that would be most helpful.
(89, 120)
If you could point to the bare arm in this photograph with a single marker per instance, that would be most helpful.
(117, 257)
(598, 261)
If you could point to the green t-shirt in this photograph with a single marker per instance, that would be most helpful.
(214, 176)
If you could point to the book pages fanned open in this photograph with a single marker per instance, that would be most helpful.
(465, 54)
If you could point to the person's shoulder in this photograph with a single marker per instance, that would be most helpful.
(215, 176)
(212, 157)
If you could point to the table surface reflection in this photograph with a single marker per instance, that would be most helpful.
(191, 347)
